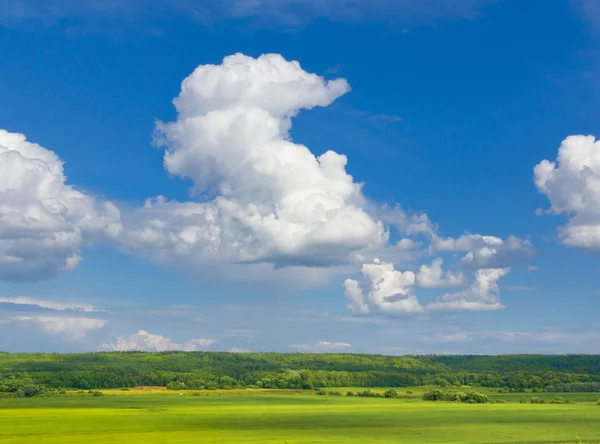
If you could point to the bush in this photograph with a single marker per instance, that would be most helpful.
(560, 400)
(124, 389)
(391, 394)
(352, 394)
(476, 398)
(335, 393)
(408, 392)
(369, 394)
(321, 392)
(97, 393)
(176, 385)
(532, 400)
(434, 395)
(469, 398)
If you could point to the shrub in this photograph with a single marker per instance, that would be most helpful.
(434, 395)
(365, 394)
(560, 400)
(391, 394)
(476, 398)
(532, 400)
(352, 394)
(124, 389)
(97, 393)
(408, 392)
(335, 393)
(321, 392)
(176, 385)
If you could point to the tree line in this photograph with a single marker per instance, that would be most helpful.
(24, 372)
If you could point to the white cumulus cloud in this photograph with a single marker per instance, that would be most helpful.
(270, 200)
(572, 184)
(43, 221)
(144, 341)
(485, 251)
(432, 276)
(482, 295)
(387, 290)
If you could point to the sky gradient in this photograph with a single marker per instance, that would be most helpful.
(379, 176)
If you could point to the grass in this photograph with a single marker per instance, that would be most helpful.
(264, 416)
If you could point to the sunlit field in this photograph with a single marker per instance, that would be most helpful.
(271, 416)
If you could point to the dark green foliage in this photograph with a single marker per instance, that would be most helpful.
(216, 370)
(391, 394)
(469, 398)
(560, 400)
(434, 395)
(533, 400)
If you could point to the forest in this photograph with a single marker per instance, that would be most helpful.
(29, 374)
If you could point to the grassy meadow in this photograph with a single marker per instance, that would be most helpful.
(287, 416)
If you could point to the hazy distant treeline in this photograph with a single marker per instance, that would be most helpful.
(213, 370)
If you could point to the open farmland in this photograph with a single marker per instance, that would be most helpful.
(258, 416)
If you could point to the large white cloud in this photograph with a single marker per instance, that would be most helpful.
(261, 198)
(144, 341)
(43, 221)
(572, 184)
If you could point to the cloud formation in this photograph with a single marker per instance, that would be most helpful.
(70, 327)
(432, 276)
(386, 290)
(322, 347)
(44, 222)
(261, 198)
(572, 184)
(144, 341)
(482, 295)
(51, 305)
(485, 251)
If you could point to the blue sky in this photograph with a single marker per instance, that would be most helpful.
(453, 243)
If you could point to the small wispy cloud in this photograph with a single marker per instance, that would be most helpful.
(322, 347)
(50, 305)
(71, 327)
(387, 118)
(144, 341)
(235, 349)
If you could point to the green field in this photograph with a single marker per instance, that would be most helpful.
(292, 417)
